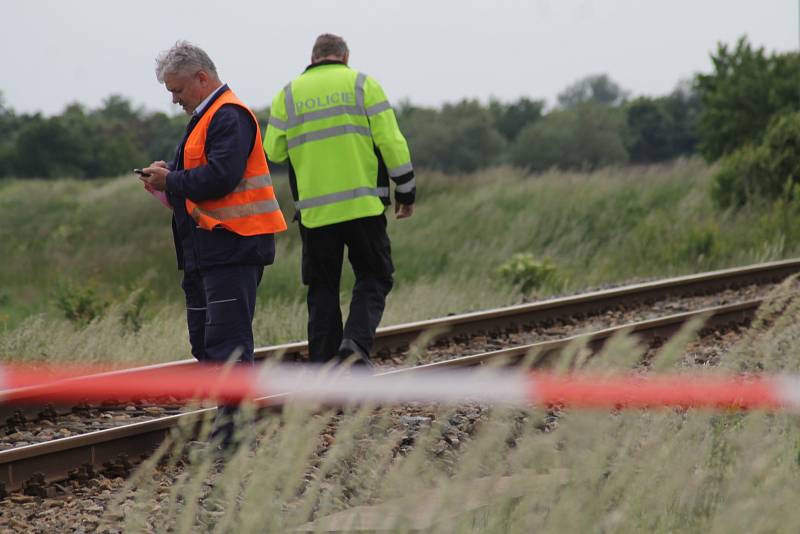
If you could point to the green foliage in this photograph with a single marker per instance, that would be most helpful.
(698, 243)
(597, 89)
(510, 119)
(738, 177)
(763, 171)
(649, 128)
(586, 136)
(745, 91)
(527, 273)
(459, 138)
(133, 309)
(664, 128)
(39, 144)
(80, 304)
(86, 144)
(607, 226)
(684, 107)
(782, 146)
(8, 125)
(158, 135)
(79, 144)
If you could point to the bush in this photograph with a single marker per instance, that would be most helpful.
(764, 170)
(737, 178)
(525, 271)
(587, 136)
(782, 147)
(458, 138)
(650, 131)
(80, 304)
(747, 89)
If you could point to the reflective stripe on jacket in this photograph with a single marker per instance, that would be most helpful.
(251, 208)
(328, 122)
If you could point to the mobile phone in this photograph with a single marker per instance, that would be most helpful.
(140, 172)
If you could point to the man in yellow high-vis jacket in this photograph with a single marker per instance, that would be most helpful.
(340, 136)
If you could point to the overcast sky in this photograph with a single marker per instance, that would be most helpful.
(428, 51)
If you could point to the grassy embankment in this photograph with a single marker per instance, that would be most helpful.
(626, 471)
(88, 243)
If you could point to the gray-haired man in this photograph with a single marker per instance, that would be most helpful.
(224, 207)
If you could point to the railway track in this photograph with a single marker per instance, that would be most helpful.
(35, 466)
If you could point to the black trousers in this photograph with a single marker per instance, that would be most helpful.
(220, 303)
(370, 255)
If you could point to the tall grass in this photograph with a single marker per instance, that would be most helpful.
(627, 471)
(102, 241)
(668, 470)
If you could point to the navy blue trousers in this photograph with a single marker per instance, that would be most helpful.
(370, 255)
(220, 303)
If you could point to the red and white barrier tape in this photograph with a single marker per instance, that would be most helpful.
(25, 384)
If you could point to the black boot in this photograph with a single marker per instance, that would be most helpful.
(349, 349)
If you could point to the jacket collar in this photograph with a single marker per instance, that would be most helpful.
(325, 62)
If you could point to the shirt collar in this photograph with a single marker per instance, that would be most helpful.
(202, 105)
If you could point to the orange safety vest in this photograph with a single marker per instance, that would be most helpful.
(251, 208)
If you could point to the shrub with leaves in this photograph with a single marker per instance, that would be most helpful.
(762, 170)
(80, 304)
(525, 271)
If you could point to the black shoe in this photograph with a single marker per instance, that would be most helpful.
(349, 350)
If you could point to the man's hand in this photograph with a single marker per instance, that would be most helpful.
(157, 181)
(402, 211)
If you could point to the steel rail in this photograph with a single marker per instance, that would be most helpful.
(512, 318)
(55, 459)
(521, 315)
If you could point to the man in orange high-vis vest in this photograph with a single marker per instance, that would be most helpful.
(224, 209)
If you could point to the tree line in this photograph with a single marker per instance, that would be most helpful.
(594, 123)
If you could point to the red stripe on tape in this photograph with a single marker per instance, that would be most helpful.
(653, 391)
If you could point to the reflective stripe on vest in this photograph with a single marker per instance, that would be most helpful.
(293, 119)
(235, 212)
(251, 208)
(406, 187)
(400, 170)
(378, 108)
(334, 131)
(332, 198)
(256, 182)
(277, 123)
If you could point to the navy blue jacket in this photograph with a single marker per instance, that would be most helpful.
(230, 138)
